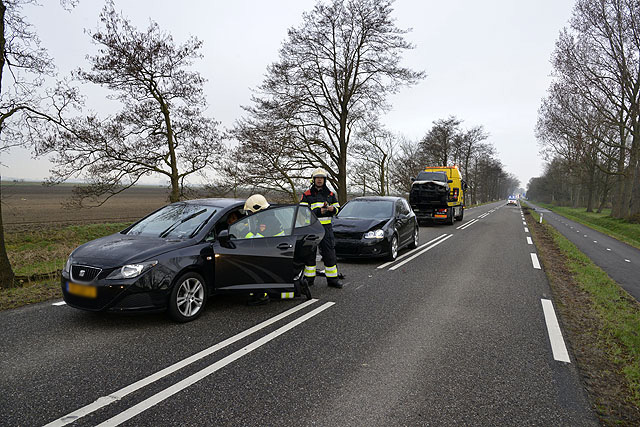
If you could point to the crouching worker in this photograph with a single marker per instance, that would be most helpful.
(254, 204)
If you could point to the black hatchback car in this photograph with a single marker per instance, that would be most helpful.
(179, 255)
(377, 226)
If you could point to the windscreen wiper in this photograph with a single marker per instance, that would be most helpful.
(166, 232)
(202, 224)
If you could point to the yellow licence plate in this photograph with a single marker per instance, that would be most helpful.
(86, 291)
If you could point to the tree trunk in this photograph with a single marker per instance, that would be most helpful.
(6, 272)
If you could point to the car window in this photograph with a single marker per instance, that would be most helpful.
(371, 209)
(304, 217)
(178, 220)
(406, 206)
(401, 208)
(270, 223)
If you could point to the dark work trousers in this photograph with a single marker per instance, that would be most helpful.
(327, 251)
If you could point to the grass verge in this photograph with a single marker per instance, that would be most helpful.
(620, 229)
(602, 321)
(38, 256)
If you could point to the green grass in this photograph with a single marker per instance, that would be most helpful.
(619, 313)
(621, 229)
(30, 293)
(44, 251)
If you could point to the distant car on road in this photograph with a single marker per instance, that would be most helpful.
(512, 201)
(178, 256)
(375, 227)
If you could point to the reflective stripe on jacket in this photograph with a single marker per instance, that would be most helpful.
(315, 200)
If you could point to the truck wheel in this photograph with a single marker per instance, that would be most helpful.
(459, 217)
(451, 219)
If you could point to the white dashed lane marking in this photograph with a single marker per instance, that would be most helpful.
(526, 230)
(59, 303)
(626, 260)
(529, 242)
(535, 262)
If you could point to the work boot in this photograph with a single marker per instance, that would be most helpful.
(334, 282)
(259, 298)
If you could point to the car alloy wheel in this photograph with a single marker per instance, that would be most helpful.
(187, 298)
(393, 248)
(416, 237)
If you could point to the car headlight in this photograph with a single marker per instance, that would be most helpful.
(374, 234)
(67, 266)
(130, 271)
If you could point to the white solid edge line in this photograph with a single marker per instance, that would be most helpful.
(192, 379)
(558, 347)
(529, 241)
(534, 260)
(419, 253)
(466, 224)
(115, 396)
(59, 303)
(386, 264)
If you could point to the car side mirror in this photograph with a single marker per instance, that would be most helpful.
(224, 238)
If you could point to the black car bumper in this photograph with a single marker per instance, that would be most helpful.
(361, 248)
(119, 297)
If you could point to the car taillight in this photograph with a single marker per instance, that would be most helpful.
(441, 210)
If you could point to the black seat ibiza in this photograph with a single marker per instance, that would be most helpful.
(178, 256)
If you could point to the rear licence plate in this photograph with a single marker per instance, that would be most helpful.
(86, 291)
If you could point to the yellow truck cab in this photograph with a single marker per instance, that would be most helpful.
(437, 194)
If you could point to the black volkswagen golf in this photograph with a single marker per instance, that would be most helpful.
(179, 255)
(377, 226)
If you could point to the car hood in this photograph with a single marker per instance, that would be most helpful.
(357, 225)
(120, 249)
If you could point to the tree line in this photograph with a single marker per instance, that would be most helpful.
(319, 105)
(589, 122)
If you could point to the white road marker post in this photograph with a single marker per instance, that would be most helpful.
(541, 214)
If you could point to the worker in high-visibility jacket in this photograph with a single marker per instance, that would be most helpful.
(252, 205)
(325, 206)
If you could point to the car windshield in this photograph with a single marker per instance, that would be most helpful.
(180, 220)
(432, 176)
(369, 209)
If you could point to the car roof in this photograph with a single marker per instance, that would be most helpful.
(376, 198)
(217, 202)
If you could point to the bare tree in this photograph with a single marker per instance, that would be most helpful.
(336, 68)
(29, 111)
(598, 58)
(373, 154)
(161, 129)
(439, 143)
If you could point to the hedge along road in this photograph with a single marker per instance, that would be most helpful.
(619, 260)
(457, 334)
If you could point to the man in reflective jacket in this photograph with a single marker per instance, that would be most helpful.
(324, 205)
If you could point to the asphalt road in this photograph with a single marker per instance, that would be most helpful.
(618, 259)
(459, 331)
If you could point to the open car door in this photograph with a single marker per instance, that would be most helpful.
(259, 252)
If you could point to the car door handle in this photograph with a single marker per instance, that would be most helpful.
(284, 246)
(311, 237)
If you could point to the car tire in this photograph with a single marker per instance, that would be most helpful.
(393, 248)
(188, 297)
(416, 237)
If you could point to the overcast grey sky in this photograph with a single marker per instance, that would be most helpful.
(487, 62)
